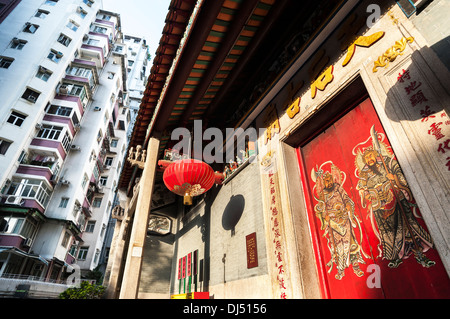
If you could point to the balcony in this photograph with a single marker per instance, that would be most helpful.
(40, 164)
(71, 91)
(31, 193)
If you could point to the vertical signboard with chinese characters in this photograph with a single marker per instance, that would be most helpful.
(276, 241)
(252, 251)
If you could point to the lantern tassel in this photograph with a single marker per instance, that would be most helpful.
(187, 199)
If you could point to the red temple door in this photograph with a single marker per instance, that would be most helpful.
(370, 239)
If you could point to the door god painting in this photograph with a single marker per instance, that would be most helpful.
(336, 212)
(363, 216)
(385, 194)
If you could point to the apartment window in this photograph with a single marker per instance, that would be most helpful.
(41, 14)
(90, 226)
(73, 25)
(66, 239)
(22, 156)
(4, 145)
(73, 249)
(81, 12)
(97, 202)
(103, 180)
(85, 180)
(59, 110)
(30, 95)
(64, 40)
(109, 161)
(30, 28)
(82, 253)
(16, 118)
(64, 201)
(105, 17)
(88, 2)
(32, 189)
(81, 72)
(76, 208)
(5, 62)
(20, 226)
(51, 2)
(17, 44)
(43, 73)
(50, 132)
(93, 42)
(114, 142)
(99, 136)
(97, 254)
(98, 29)
(66, 141)
(55, 56)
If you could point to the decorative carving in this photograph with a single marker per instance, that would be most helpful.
(118, 212)
(392, 53)
(137, 157)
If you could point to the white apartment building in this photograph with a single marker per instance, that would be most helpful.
(137, 59)
(138, 71)
(63, 122)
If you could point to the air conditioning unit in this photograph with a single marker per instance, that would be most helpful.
(42, 69)
(31, 98)
(39, 126)
(64, 182)
(27, 242)
(54, 179)
(77, 127)
(65, 89)
(75, 147)
(14, 200)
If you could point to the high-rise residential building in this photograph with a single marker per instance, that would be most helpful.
(136, 62)
(291, 150)
(63, 123)
(138, 57)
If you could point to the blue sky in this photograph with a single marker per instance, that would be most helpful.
(141, 18)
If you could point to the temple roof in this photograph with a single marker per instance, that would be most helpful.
(216, 58)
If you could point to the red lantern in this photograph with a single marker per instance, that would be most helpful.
(188, 178)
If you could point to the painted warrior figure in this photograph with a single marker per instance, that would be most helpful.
(335, 209)
(384, 190)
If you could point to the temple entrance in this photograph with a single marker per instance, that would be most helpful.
(369, 236)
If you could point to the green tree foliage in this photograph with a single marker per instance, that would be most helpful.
(86, 290)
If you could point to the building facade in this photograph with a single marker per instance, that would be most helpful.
(63, 135)
(344, 191)
(137, 73)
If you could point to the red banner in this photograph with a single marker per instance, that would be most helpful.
(189, 264)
